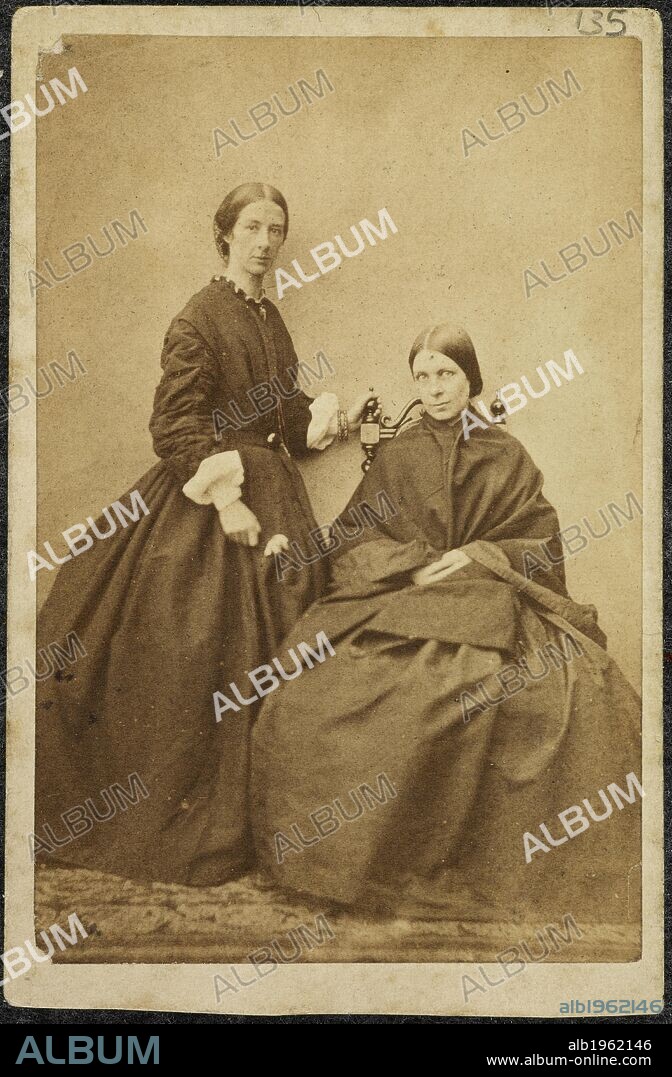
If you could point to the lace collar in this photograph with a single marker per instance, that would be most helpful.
(237, 290)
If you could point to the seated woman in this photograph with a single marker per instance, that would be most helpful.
(456, 755)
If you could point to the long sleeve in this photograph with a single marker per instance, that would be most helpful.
(310, 422)
(217, 481)
(212, 468)
(324, 421)
(182, 420)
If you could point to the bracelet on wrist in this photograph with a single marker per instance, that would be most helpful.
(343, 425)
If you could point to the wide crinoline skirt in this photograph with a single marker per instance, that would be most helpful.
(371, 790)
(169, 612)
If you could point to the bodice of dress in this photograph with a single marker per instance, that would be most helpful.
(228, 355)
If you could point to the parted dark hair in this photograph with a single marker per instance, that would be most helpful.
(235, 202)
(457, 345)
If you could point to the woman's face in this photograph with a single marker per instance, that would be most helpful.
(442, 385)
(256, 238)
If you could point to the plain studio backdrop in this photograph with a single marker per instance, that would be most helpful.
(389, 135)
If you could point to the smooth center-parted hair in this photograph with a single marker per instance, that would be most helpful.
(232, 206)
(457, 345)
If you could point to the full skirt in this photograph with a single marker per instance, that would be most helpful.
(169, 611)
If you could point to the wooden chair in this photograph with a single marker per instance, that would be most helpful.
(374, 430)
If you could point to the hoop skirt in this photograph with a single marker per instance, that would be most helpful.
(455, 718)
(169, 611)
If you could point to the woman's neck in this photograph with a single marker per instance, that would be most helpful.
(448, 427)
(250, 283)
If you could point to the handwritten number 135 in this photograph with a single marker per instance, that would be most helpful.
(597, 21)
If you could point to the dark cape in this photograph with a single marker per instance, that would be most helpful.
(402, 774)
(169, 611)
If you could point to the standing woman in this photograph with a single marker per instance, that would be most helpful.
(185, 601)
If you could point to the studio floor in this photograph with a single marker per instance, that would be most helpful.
(164, 923)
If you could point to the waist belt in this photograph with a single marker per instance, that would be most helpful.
(271, 441)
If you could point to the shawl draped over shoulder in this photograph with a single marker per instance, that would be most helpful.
(486, 701)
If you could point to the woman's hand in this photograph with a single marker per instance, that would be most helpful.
(276, 544)
(239, 524)
(356, 410)
(439, 570)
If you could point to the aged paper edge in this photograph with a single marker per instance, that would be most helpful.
(406, 988)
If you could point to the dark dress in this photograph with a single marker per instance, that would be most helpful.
(470, 763)
(170, 611)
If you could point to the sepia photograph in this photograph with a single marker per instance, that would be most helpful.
(334, 415)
